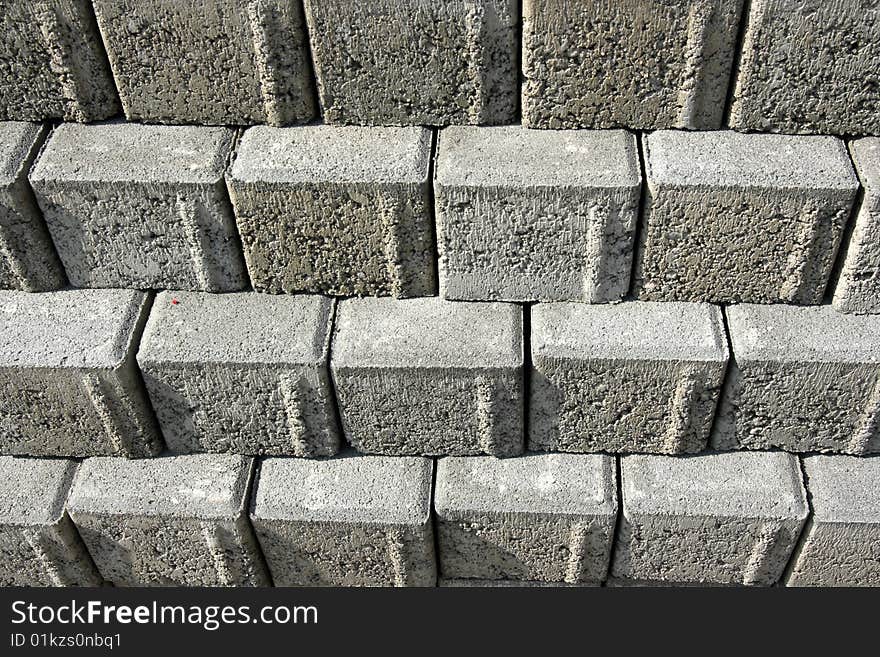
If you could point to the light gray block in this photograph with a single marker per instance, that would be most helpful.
(218, 62)
(336, 210)
(168, 521)
(803, 379)
(69, 384)
(140, 206)
(627, 63)
(539, 517)
(632, 377)
(39, 545)
(527, 215)
(428, 376)
(243, 372)
(715, 519)
(731, 217)
(346, 521)
(506, 584)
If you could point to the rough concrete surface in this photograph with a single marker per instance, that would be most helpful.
(506, 583)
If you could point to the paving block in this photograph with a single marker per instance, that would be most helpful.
(539, 517)
(733, 217)
(336, 210)
(39, 545)
(168, 521)
(69, 384)
(730, 518)
(242, 372)
(632, 377)
(528, 215)
(801, 379)
(346, 521)
(412, 62)
(139, 206)
(428, 376)
(627, 63)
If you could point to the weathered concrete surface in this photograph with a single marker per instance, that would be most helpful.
(506, 583)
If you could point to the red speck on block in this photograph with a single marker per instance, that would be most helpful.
(174, 302)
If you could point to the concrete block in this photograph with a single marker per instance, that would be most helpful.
(809, 67)
(39, 545)
(221, 62)
(415, 62)
(244, 373)
(346, 521)
(627, 63)
(69, 384)
(169, 521)
(539, 517)
(506, 584)
(732, 217)
(336, 210)
(138, 206)
(714, 519)
(527, 215)
(632, 377)
(801, 379)
(431, 377)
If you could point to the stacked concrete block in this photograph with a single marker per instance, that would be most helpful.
(506, 584)
(69, 384)
(527, 215)
(241, 372)
(428, 376)
(742, 218)
(632, 377)
(139, 206)
(336, 210)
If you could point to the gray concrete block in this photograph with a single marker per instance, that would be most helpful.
(346, 521)
(220, 62)
(632, 377)
(138, 206)
(39, 546)
(506, 584)
(243, 372)
(715, 519)
(732, 217)
(415, 62)
(336, 210)
(428, 376)
(528, 215)
(627, 63)
(168, 521)
(539, 517)
(69, 384)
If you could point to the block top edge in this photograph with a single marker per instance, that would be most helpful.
(866, 157)
(844, 488)
(16, 141)
(33, 491)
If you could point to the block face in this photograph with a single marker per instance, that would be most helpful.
(630, 63)
(735, 217)
(242, 372)
(413, 62)
(525, 215)
(428, 376)
(633, 377)
(336, 210)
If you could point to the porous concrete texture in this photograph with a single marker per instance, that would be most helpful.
(241, 372)
(505, 583)
(539, 517)
(138, 206)
(730, 518)
(631, 377)
(627, 63)
(168, 521)
(528, 215)
(69, 384)
(428, 376)
(732, 217)
(336, 210)
(39, 546)
(809, 66)
(220, 62)
(346, 521)
(801, 379)
(415, 62)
